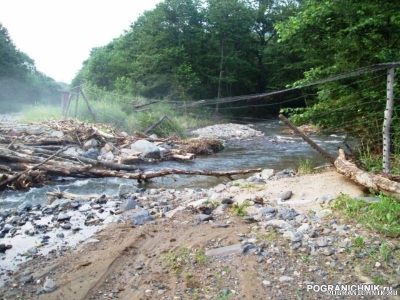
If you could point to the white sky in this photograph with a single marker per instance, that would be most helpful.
(58, 35)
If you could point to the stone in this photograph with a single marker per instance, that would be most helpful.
(172, 213)
(267, 283)
(147, 149)
(125, 189)
(3, 248)
(85, 207)
(66, 226)
(49, 285)
(92, 143)
(267, 174)
(303, 228)
(73, 151)
(91, 153)
(227, 200)
(285, 278)
(128, 204)
(203, 217)
(32, 250)
(63, 217)
(27, 205)
(323, 213)
(219, 225)
(329, 251)
(285, 195)
(35, 130)
(60, 235)
(57, 133)
(286, 214)
(228, 250)
(26, 279)
(266, 210)
(138, 217)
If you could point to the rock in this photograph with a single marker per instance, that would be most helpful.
(66, 226)
(285, 278)
(227, 200)
(303, 228)
(219, 188)
(26, 206)
(203, 217)
(329, 251)
(92, 143)
(125, 189)
(60, 235)
(26, 279)
(267, 210)
(279, 223)
(147, 149)
(63, 217)
(285, 196)
(49, 285)
(138, 217)
(3, 248)
(267, 174)
(35, 130)
(172, 213)
(323, 213)
(128, 204)
(228, 250)
(84, 208)
(73, 151)
(267, 283)
(56, 133)
(219, 225)
(286, 214)
(7, 228)
(91, 153)
(32, 250)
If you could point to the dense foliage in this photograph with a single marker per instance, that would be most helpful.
(20, 82)
(197, 49)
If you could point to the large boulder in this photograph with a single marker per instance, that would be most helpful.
(147, 149)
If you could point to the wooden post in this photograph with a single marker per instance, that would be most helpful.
(76, 105)
(87, 104)
(308, 140)
(65, 98)
(387, 121)
(152, 127)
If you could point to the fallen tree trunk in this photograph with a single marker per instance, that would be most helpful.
(78, 171)
(369, 180)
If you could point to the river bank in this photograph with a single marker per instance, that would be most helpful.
(258, 238)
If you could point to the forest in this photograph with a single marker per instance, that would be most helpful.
(212, 49)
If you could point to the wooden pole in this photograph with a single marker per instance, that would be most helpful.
(152, 127)
(308, 140)
(76, 105)
(87, 104)
(387, 121)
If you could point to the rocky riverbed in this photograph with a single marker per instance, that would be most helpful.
(264, 237)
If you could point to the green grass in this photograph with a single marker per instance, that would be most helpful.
(359, 242)
(383, 216)
(38, 113)
(239, 209)
(305, 167)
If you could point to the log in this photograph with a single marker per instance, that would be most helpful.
(368, 180)
(71, 196)
(78, 171)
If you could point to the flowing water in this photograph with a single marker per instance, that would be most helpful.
(275, 150)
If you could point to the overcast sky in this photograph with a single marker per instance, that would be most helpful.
(58, 35)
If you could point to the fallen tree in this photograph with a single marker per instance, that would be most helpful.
(368, 180)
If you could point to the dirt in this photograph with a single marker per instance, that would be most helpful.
(166, 259)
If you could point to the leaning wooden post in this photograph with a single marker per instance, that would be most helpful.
(87, 104)
(76, 104)
(308, 140)
(387, 121)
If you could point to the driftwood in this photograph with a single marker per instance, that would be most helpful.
(71, 196)
(368, 180)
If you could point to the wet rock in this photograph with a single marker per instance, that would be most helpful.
(26, 206)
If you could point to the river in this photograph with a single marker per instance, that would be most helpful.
(275, 150)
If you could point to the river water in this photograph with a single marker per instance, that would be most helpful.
(275, 150)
